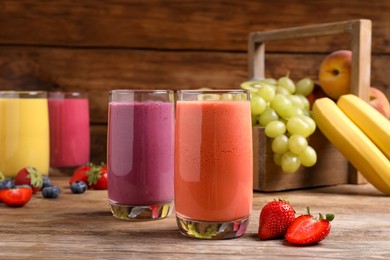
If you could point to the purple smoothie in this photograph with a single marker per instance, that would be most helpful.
(140, 153)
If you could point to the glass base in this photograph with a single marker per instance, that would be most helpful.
(212, 230)
(141, 213)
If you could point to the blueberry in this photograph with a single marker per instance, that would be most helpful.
(46, 182)
(7, 183)
(51, 192)
(78, 187)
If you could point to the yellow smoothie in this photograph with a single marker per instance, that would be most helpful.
(24, 135)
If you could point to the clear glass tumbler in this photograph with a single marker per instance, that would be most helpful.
(69, 129)
(140, 153)
(213, 163)
(24, 131)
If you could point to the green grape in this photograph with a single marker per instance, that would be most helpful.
(282, 91)
(254, 120)
(287, 83)
(282, 105)
(267, 116)
(305, 102)
(290, 162)
(277, 158)
(270, 81)
(296, 111)
(280, 144)
(309, 157)
(296, 125)
(296, 101)
(297, 144)
(267, 92)
(252, 86)
(258, 105)
(274, 129)
(304, 87)
(310, 121)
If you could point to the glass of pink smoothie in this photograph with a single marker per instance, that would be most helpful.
(213, 163)
(69, 129)
(140, 154)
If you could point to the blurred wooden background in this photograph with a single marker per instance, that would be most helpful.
(96, 46)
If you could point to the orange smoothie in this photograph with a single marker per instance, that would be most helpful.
(213, 165)
(24, 135)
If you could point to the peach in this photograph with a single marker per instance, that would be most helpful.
(335, 73)
(379, 101)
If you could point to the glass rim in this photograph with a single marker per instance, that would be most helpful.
(66, 94)
(23, 94)
(141, 91)
(213, 91)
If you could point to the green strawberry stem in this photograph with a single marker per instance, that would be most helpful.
(35, 177)
(328, 217)
(94, 174)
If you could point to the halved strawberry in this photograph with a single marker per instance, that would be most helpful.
(275, 217)
(306, 229)
(17, 196)
(29, 176)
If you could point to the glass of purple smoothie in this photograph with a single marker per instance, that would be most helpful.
(140, 154)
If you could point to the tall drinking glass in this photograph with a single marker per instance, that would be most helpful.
(140, 153)
(69, 129)
(213, 163)
(24, 131)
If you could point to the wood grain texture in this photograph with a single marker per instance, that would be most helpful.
(95, 46)
(169, 24)
(81, 227)
(98, 72)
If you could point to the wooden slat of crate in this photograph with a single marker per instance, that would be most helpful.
(332, 168)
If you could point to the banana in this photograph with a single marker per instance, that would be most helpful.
(360, 151)
(368, 119)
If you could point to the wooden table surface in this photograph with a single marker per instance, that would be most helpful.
(80, 226)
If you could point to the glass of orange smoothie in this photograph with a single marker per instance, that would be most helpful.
(24, 131)
(213, 163)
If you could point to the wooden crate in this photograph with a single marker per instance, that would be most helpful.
(332, 168)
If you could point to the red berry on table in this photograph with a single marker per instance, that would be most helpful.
(275, 218)
(29, 176)
(17, 196)
(97, 177)
(306, 229)
(80, 174)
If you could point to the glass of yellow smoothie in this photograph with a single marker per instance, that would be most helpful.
(213, 163)
(24, 131)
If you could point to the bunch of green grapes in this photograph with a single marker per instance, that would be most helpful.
(282, 108)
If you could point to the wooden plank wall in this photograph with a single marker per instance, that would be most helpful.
(96, 46)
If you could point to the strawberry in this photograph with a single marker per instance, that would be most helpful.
(97, 177)
(17, 196)
(29, 176)
(275, 217)
(80, 174)
(306, 229)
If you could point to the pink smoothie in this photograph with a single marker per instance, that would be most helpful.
(69, 132)
(140, 153)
